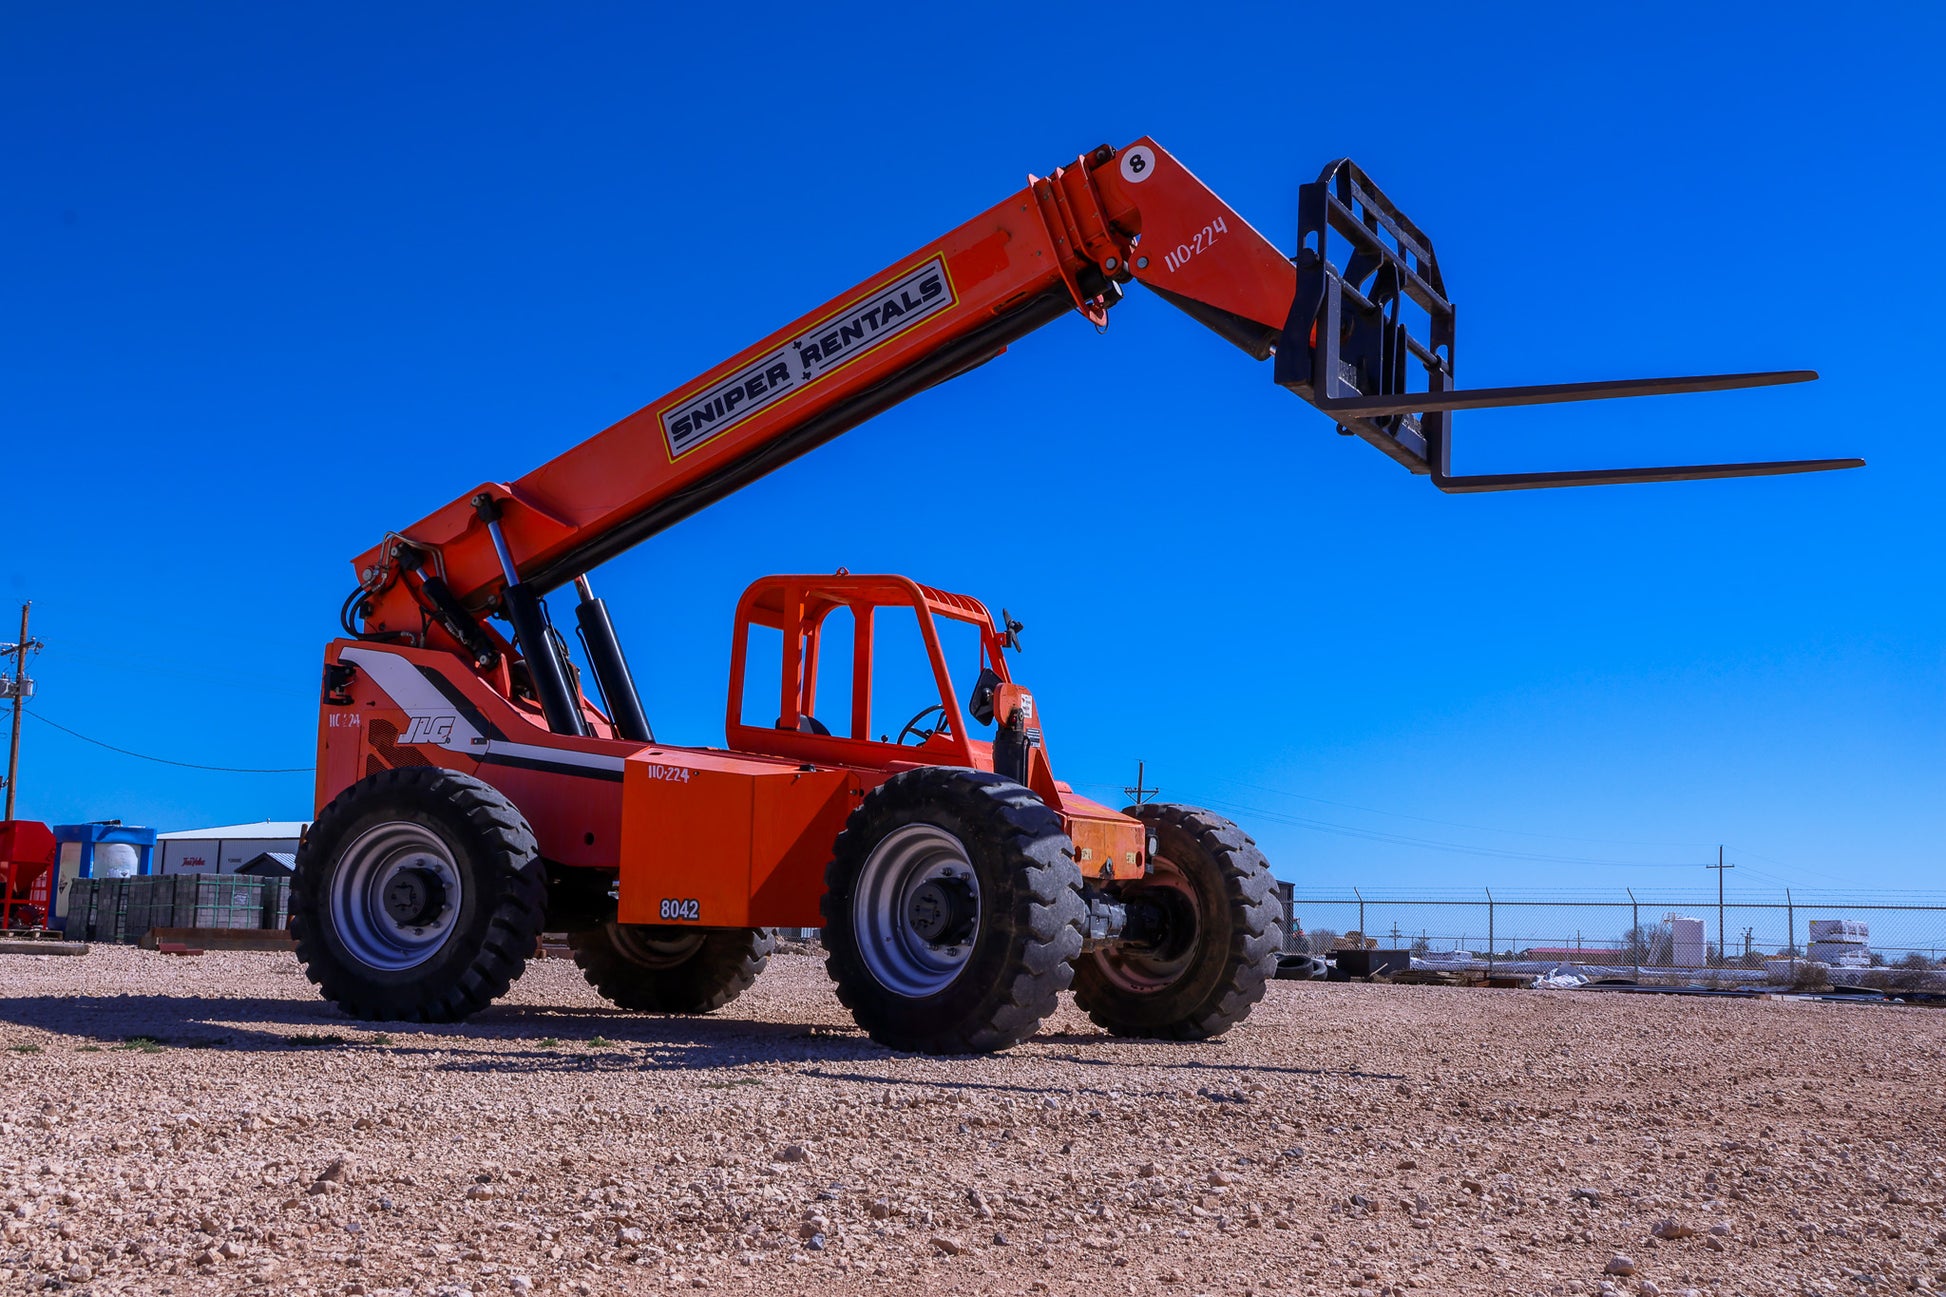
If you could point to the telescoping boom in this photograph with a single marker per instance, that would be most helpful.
(1338, 316)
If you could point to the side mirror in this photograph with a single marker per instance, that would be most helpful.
(980, 705)
(1010, 631)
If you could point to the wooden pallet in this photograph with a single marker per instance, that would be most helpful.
(15, 945)
(185, 940)
(1458, 977)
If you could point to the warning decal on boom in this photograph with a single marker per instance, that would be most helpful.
(829, 345)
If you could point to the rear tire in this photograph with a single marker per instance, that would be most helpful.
(1222, 917)
(651, 968)
(418, 896)
(952, 912)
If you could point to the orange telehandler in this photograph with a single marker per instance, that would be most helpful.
(473, 793)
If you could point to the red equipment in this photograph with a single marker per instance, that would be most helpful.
(471, 790)
(28, 853)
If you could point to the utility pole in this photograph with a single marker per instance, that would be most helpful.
(1139, 793)
(20, 689)
(1722, 948)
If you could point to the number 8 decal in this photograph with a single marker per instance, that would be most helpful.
(1138, 164)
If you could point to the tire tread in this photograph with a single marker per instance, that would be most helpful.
(519, 910)
(723, 967)
(1250, 962)
(1047, 920)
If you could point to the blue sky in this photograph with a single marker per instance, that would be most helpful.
(279, 278)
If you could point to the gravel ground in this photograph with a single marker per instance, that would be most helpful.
(172, 1125)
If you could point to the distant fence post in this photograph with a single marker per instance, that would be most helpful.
(1790, 930)
(1489, 892)
(1361, 912)
(1634, 931)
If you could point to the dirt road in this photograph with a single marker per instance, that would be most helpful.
(187, 1125)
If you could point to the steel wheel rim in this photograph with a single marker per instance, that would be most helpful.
(653, 946)
(896, 956)
(373, 861)
(1144, 972)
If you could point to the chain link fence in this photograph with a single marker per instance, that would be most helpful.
(1642, 931)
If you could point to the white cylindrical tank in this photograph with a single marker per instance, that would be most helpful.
(116, 860)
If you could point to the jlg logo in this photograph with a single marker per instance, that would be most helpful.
(430, 729)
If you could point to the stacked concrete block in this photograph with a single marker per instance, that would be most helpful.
(1841, 943)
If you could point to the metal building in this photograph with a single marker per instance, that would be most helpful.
(226, 849)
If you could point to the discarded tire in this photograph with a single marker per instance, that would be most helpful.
(1301, 968)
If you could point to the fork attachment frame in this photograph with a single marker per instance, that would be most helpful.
(1351, 348)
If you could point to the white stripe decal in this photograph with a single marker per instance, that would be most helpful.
(553, 756)
(436, 721)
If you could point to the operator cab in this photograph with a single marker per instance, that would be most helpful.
(865, 671)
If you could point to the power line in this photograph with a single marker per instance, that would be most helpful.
(1379, 835)
(1399, 839)
(1451, 824)
(164, 761)
(1784, 864)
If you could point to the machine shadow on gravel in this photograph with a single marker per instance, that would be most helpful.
(299, 1026)
(269, 1023)
(1121, 1062)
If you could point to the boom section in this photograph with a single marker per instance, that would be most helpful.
(1066, 242)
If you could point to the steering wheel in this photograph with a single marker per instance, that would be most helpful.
(912, 726)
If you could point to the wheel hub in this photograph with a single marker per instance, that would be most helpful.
(395, 895)
(1163, 935)
(414, 896)
(942, 910)
(655, 946)
(916, 910)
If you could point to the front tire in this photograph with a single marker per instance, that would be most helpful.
(952, 912)
(418, 896)
(652, 968)
(1213, 905)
